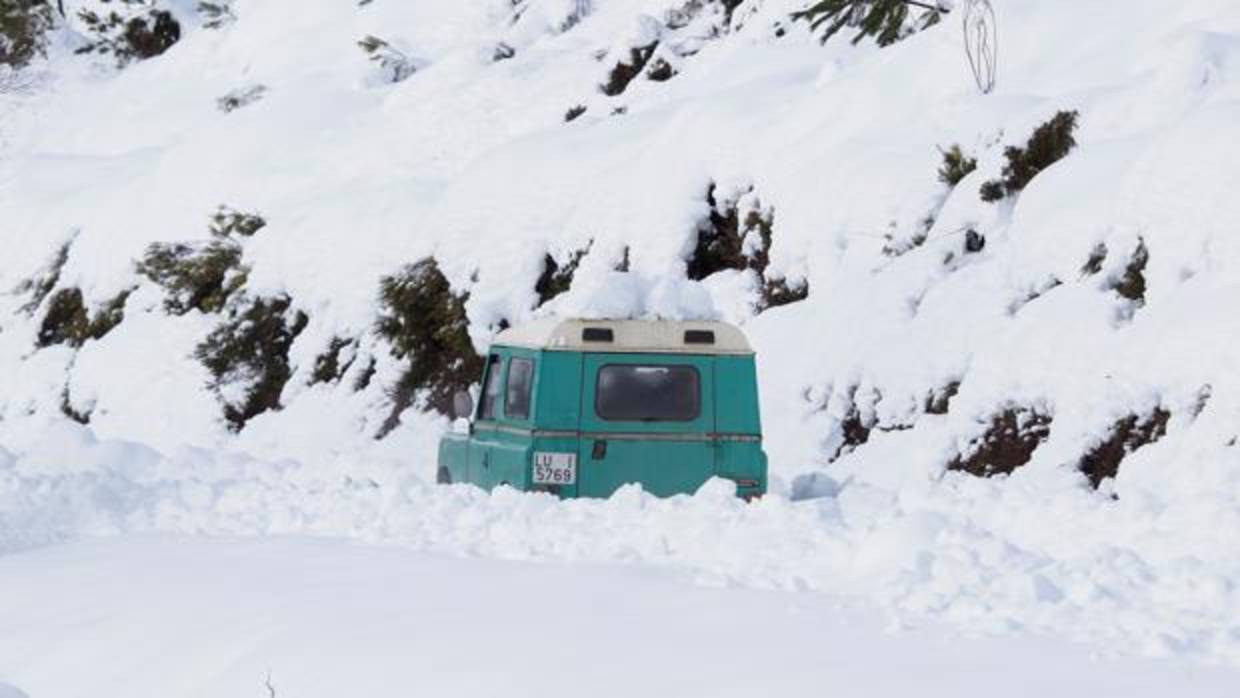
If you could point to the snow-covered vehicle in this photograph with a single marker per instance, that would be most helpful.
(579, 408)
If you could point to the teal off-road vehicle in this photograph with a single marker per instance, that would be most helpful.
(579, 408)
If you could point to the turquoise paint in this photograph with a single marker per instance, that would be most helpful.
(665, 458)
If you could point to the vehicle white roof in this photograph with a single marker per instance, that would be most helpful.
(628, 336)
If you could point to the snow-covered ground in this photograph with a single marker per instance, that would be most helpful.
(470, 159)
(172, 616)
(993, 558)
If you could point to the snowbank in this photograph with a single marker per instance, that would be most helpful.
(1131, 576)
(322, 619)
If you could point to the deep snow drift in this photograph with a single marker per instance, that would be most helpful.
(321, 618)
(1098, 310)
(1122, 576)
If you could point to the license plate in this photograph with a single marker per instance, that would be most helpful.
(555, 468)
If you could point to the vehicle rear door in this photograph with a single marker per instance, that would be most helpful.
(647, 419)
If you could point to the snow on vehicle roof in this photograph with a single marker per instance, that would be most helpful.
(620, 336)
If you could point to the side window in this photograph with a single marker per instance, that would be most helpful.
(490, 390)
(520, 386)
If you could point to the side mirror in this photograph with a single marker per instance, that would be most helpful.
(462, 405)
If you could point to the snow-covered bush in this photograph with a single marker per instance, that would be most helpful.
(203, 275)
(956, 165)
(558, 15)
(557, 275)
(216, 14)
(655, 47)
(1050, 143)
(1131, 284)
(129, 30)
(226, 222)
(334, 363)
(939, 401)
(240, 97)
(887, 21)
(425, 323)
(195, 276)
(42, 284)
(627, 67)
(67, 320)
(737, 234)
(721, 237)
(248, 356)
(502, 52)
(395, 65)
(23, 30)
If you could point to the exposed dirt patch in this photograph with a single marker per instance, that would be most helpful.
(1008, 443)
(1123, 438)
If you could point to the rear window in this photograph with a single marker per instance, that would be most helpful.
(648, 393)
(520, 385)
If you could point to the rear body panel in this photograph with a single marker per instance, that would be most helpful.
(664, 457)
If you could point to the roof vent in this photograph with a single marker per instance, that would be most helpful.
(699, 337)
(597, 334)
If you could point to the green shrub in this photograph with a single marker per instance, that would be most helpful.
(426, 325)
(956, 166)
(68, 322)
(195, 276)
(1008, 443)
(42, 285)
(250, 351)
(887, 21)
(130, 36)
(24, 25)
(227, 222)
(1132, 284)
(1050, 143)
(203, 276)
(328, 367)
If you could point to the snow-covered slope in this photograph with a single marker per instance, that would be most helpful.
(1094, 326)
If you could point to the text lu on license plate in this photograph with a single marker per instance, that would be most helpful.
(555, 468)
